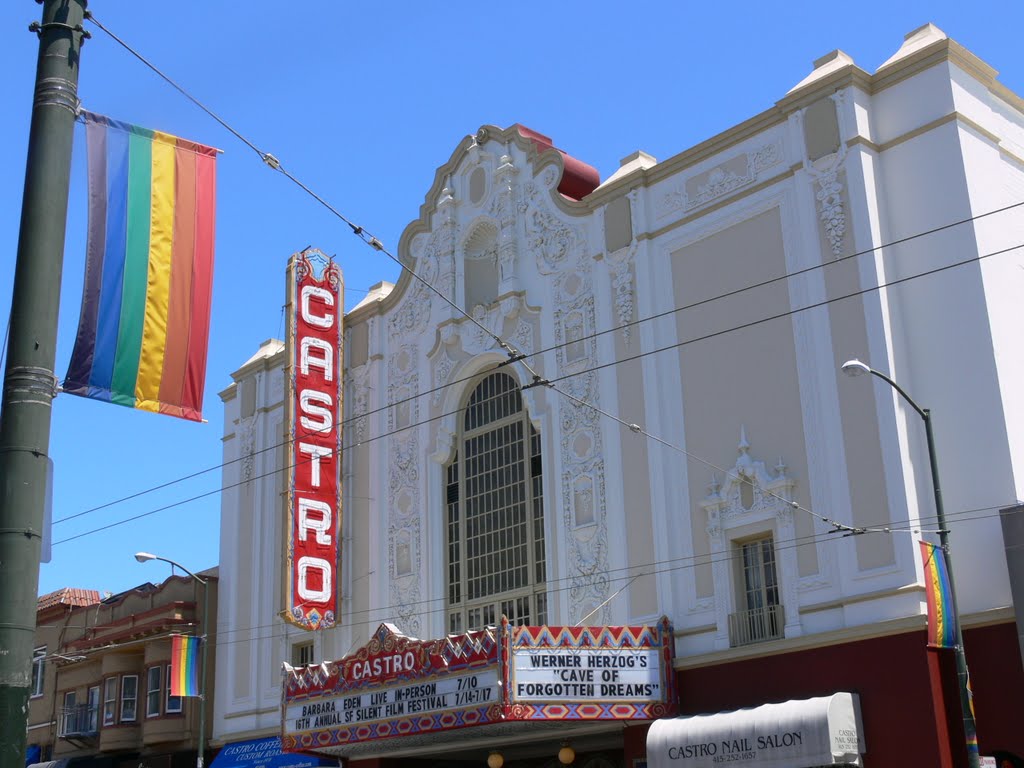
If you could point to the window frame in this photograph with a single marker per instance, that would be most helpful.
(169, 707)
(488, 429)
(38, 682)
(112, 701)
(763, 589)
(762, 619)
(154, 695)
(93, 712)
(134, 699)
(297, 653)
(71, 696)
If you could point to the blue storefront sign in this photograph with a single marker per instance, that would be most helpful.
(265, 753)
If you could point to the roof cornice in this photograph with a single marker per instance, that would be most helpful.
(850, 75)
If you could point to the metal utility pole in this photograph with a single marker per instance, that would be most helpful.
(29, 383)
(143, 557)
(970, 746)
(963, 678)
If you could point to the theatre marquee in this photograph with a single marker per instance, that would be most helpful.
(399, 690)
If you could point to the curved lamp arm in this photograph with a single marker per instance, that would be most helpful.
(856, 368)
(145, 557)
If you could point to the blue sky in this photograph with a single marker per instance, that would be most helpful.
(362, 102)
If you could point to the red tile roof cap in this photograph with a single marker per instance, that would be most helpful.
(578, 178)
(68, 596)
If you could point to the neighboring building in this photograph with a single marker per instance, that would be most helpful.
(698, 454)
(105, 667)
(53, 616)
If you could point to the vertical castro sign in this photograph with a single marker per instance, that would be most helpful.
(314, 411)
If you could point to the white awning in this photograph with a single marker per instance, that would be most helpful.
(794, 734)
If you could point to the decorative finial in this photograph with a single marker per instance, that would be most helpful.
(744, 446)
(715, 486)
(447, 196)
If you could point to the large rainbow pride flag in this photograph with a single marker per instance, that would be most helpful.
(185, 665)
(145, 317)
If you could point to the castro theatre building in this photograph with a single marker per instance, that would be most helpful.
(682, 474)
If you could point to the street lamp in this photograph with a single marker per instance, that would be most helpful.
(143, 557)
(857, 368)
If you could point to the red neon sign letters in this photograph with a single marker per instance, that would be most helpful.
(314, 401)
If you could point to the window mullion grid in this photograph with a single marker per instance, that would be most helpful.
(497, 489)
(771, 588)
(535, 518)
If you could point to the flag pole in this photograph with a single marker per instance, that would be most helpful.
(29, 384)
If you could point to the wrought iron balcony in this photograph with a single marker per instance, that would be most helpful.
(756, 625)
(80, 721)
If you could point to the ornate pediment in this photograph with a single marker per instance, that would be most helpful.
(504, 197)
(748, 489)
(751, 500)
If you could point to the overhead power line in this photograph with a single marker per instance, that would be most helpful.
(784, 276)
(564, 584)
(596, 334)
(790, 312)
(626, 573)
(632, 427)
(617, 577)
(513, 354)
(275, 164)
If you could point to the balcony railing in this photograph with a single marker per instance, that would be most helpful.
(756, 625)
(79, 721)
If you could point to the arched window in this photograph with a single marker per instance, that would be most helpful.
(495, 525)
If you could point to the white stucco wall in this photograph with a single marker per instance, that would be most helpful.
(920, 145)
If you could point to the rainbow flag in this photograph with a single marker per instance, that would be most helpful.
(941, 620)
(972, 732)
(185, 665)
(145, 317)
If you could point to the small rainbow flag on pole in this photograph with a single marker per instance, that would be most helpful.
(145, 318)
(185, 665)
(941, 618)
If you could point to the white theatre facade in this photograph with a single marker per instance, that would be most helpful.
(665, 430)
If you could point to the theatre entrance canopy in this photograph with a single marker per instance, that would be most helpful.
(500, 685)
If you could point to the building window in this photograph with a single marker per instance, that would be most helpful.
(38, 670)
(495, 513)
(173, 702)
(93, 708)
(110, 701)
(302, 654)
(759, 616)
(129, 697)
(745, 513)
(69, 715)
(153, 676)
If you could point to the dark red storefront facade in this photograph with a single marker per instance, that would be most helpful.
(891, 676)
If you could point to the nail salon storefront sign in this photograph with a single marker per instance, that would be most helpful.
(793, 734)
